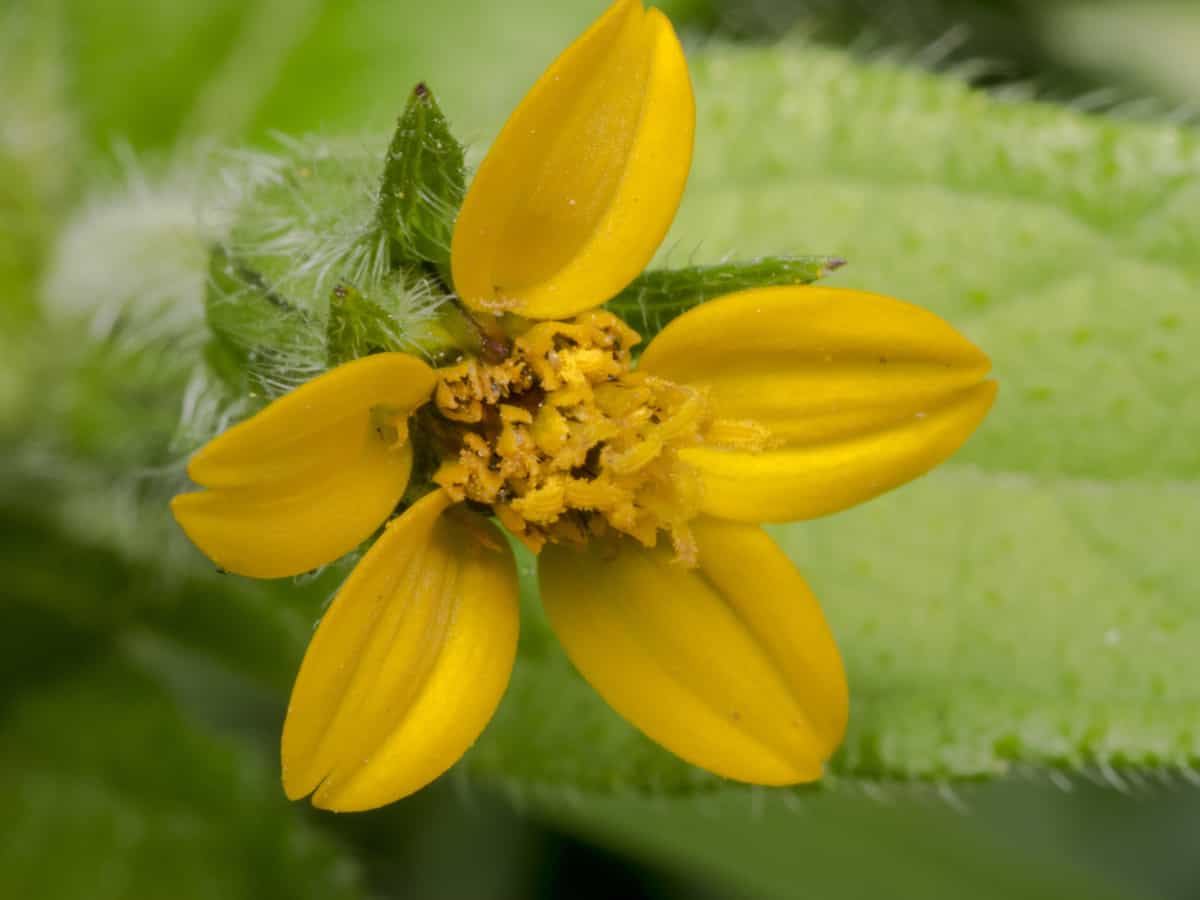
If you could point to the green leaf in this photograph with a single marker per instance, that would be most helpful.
(657, 296)
(768, 844)
(423, 185)
(757, 843)
(1036, 601)
(115, 795)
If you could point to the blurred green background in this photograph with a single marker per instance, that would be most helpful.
(142, 695)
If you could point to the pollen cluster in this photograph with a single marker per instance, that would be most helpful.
(566, 443)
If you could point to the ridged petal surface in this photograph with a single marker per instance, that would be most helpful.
(730, 665)
(582, 183)
(309, 477)
(859, 393)
(407, 666)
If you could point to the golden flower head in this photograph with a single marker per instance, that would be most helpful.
(641, 486)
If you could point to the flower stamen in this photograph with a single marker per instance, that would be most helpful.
(566, 443)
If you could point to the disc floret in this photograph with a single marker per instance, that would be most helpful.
(565, 442)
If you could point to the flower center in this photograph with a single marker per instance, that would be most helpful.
(565, 442)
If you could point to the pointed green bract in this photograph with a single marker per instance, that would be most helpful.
(423, 183)
(657, 296)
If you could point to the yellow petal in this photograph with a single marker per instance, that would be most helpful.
(309, 478)
(858, 392)
(582, 183)
(730, 666)
(407, 666)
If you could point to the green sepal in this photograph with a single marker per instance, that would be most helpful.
(358, 326)
(262, 345)
(656, 297)
(424, 178)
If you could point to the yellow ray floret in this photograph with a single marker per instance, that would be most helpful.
(857, 393)
(309, 478)
(407, 666)
(582, 183)
(729, 665)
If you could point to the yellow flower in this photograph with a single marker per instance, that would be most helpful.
(641, 488)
